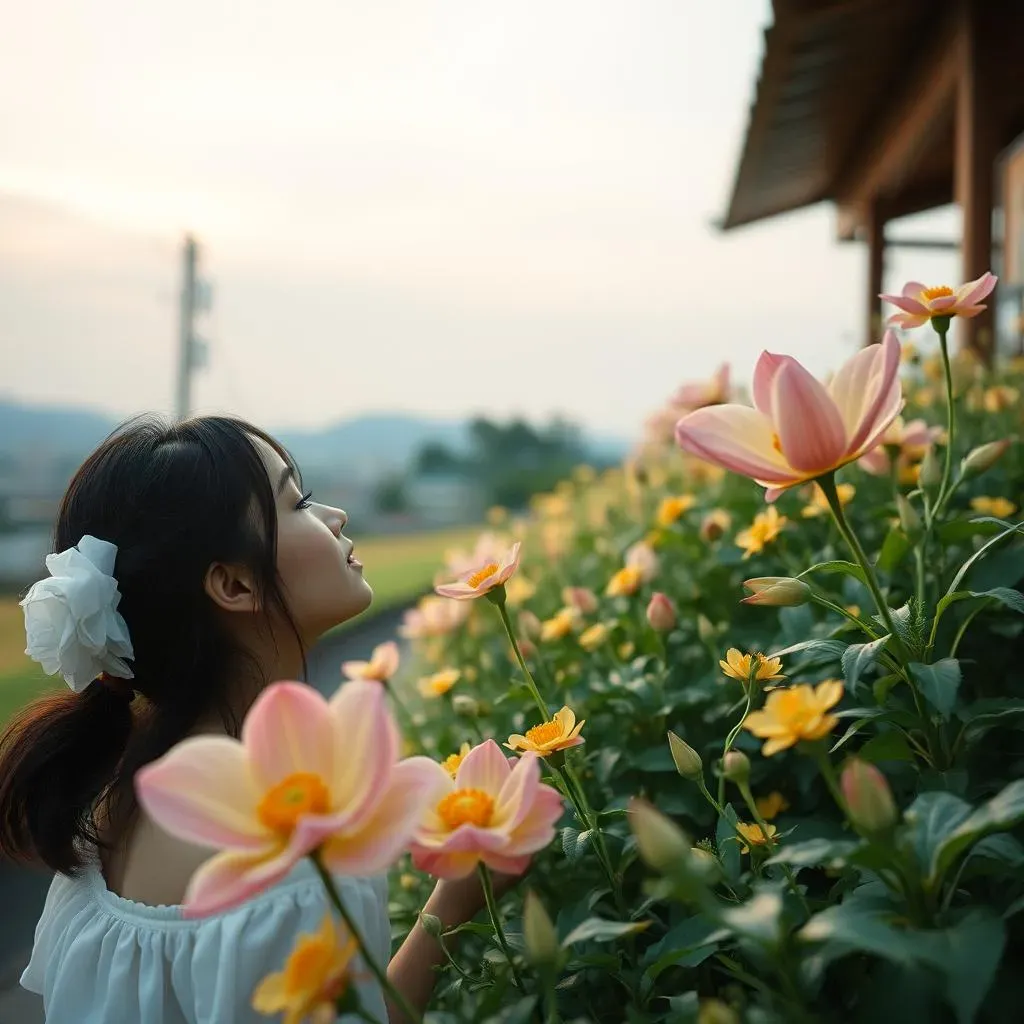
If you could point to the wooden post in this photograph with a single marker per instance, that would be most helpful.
(974, 168)
(874, 224)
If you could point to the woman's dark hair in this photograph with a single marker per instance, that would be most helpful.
(174, 499)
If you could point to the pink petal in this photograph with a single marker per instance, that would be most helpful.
(774, 493)
(973, 292)
(967, 312)
(917, 434)
(460, 591)
(537, 829)
(517, 794)
(908, 320)
(466, 839)
(737, 438)
(505, 864)
(875, 462)
(386, 658)
(355, 669)
(906, 303)
(385, 835)
(911, 290)
(366, 747)
(229, 879)
(942, 303)
(485, 767)
(768, 365)
(202, 791)
(863, 390)
(810, 429)
(444, 865)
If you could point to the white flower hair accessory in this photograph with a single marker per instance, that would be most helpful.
(71, 619)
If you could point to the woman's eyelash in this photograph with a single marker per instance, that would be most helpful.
(304, 501)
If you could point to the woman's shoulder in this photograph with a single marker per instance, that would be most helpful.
(100, 957)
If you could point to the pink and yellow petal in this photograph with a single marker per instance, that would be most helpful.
(228, 879)
(485, 767)
(516, 795)
(810, 429)
(737, 438)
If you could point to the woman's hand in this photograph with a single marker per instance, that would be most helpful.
(456, 901)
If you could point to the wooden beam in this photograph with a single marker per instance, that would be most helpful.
(876, 269)
(976, 149)
(886, 160)
(851, 222)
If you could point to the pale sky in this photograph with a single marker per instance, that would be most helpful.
(430, 206)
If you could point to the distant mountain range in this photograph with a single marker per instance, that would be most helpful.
(377, 441)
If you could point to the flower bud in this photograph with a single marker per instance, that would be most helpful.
(529, 624)
(777, 591)
(910, 521)
(580, 598)
(706, 629)
(714, 524)
(468, 707)
(686, 759)
(869, 802)
(432, 925)
(539, 935)
(736, 767)
(983, 458)
(931, 471)
(661, 612)
(662, 844)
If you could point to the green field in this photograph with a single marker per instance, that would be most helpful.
(398, 568)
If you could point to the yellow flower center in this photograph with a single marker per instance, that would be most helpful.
(292, 798)
(544, 733)
(776, 443)
(466, 807)
(482, 574)
(938, 292)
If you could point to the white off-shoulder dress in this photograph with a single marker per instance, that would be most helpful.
(101, 959)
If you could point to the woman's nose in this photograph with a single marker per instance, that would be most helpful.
(336, 520)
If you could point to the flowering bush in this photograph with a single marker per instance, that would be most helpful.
(833, 832)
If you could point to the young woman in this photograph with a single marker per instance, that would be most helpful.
(227, 573)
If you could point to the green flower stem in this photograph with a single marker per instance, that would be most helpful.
(376, 970)
(941, 326)
(828, 485)
(828, 773)
(499, 603)
(499, 932)
(840, 610)
(733, 733)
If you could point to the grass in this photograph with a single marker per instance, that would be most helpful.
(397, 567)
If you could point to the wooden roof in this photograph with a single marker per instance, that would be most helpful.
(838, 79)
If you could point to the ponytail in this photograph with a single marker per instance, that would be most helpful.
(57, 757)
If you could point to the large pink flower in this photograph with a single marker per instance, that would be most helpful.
(919, 304)
(911, 439)
(483, 578)
(307, 776)
(490, 812)
(800, 429)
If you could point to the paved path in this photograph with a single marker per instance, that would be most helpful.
(22, 892)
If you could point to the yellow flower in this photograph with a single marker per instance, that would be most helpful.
(560, 732)
(625, 581)
(909, 472)
(672, 507)
(764, 529)
(439, 683)
(626, 650)
(408, 882)
(1000, 398)
(925, 397)
(772, 805)
(592, 638)
(754, 835)
(739, 666)
(561, 624)
(451, 763)
(794, 714)
(714, 524)
(314, 976)
(819, 505)
(519, 589)
(584, 474)
(1001, 508)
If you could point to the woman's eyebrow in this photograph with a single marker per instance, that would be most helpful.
(288, 473)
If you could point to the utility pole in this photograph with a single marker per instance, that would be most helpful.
(192, 350)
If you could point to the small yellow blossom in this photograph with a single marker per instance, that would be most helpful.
(819, 506)
(765, 528)
(1001, 508)
(626, 581)
(795, 714)
(314, 977)
(560, 625)
(558, 733)
(519, 589)
(451, 763)
(740, 666)
(1000, 397)
(854, 609)
(592, 638)
(754, 835)
(408, 882)
(672, 507)
(626, 650)
(772, 805)
(909, 473)
(439, 683)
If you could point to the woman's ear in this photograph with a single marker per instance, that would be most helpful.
(231, 587)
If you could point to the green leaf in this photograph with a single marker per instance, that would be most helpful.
(574, 843)
(835, 648)
(990, 713)
(967, 956)
(686, 945)
(863, 929)
(760, 918)
(1000, 813)
(910, 625)
(858, 658)
(825, 852)
(837, 565)
(1004, 595)
(939, 683)
(597, 929)
(980, 553)
(894, 549)
(933, 818)
(886, 746)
